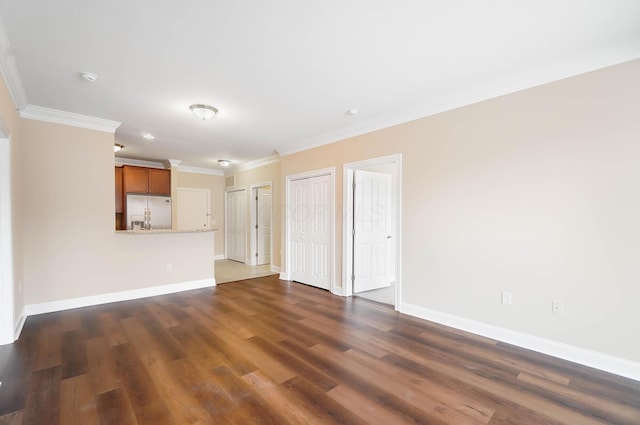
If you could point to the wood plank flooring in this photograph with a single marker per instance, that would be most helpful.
(265, 351)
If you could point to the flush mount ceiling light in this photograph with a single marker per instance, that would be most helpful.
(224, 162)
(117, 147)
(204, 112)
(89, 76)
(148, 136)
(353, 111)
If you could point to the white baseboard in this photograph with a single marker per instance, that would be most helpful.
(275, 269)
(19, 324)
(219, 257)
(605, 362)
(48, 307)
(284, 276)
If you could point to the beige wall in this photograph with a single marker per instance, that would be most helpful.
(70, 249)
(63, 239)
(535, 193)
(216, 185)
(256, 176)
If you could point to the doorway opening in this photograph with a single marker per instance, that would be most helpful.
(7, 301)
(372, 229)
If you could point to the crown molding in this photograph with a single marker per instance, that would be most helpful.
(56, 116)
(258, 162)
(138, 162)
(534, 76)
(9, 71)
(199, 170)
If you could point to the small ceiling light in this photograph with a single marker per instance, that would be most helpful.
(353, 111)
(117, 147)
(204, 112)
(224, 162)
(148, 136)
(89, 76)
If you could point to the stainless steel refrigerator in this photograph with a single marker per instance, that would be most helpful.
(148, 212)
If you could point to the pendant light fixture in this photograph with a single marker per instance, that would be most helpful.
(204, 112)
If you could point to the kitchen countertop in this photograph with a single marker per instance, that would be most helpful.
(154, 231)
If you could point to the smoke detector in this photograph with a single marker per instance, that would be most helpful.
(89, 76)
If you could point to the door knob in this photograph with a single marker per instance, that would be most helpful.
(388, 236)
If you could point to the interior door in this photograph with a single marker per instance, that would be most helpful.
(194, 208)
(263, 229)
(372, 231)
(310, 227)
(235, 227)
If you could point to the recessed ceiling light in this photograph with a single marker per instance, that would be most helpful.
(224, 162)
(148, 136)
(117, 147)
(353, 111)
(89, 76)
(204, 112)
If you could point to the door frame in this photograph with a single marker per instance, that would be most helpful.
(7, 300)
(347, 219)
(226, 220)
(254, 220)
(331, 172)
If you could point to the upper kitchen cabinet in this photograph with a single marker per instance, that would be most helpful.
(152, 181)
(160, 181)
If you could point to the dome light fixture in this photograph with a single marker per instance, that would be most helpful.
(204, 112)
(118, 147)
(224, 162)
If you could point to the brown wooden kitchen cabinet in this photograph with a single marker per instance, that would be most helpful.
(152, 181)
(119, 203)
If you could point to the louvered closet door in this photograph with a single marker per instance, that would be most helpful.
(310, 228)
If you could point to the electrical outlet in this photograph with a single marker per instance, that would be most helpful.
(557, 307)
(506, 298)
(169, 267)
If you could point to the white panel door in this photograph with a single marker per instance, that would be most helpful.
(311, 231)
(372, 231)
(235, 227)
(194, 208)
(263, 230)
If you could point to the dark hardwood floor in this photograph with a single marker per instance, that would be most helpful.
(265, 351)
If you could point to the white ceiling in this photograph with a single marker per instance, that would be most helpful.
(283, 73)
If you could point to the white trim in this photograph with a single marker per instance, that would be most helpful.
(253, 242)
(331, 172)
(48, 307)
(9, 70)
(7, 301)
(261, 162)
(347, 219)
(56, 116)
(219, 257)
(275, 269)
(19, 324)
(139, 163)
(601, 361)
(199, 170)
